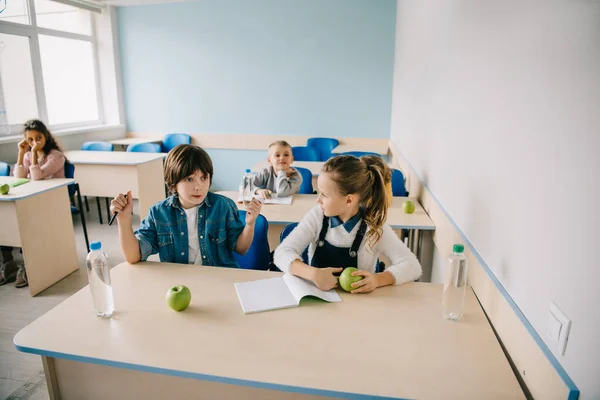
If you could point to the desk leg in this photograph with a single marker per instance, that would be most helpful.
(51, 380)
(414, 242)
(151, 187)
(47, 238)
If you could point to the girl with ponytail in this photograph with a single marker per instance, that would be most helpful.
(347, 229)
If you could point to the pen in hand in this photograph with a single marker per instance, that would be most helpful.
(112, 219)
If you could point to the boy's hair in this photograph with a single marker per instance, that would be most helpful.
(184, 160)
(281, 143)
(39, 126)
(355, 176)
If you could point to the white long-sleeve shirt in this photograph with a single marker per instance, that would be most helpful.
(405, 267)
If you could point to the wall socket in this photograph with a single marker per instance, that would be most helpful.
(558, 327)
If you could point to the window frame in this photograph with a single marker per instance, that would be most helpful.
(32, 31)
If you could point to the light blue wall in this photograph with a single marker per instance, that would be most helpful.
(290, 67)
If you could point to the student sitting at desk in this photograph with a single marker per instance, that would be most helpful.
(279, 177)
(193, 225)
(347, 229)
(40, 157)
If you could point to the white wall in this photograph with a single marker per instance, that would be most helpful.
(497, 106)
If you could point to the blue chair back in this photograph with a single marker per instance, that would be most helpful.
(144, 148)
(306, 187)
(4, 169)
(360, 153)
(172, 140)
(324, 145)
(286, 231)
(97, 146)
(258, 256)
(398, 188)
(302, 153)
(70, 173)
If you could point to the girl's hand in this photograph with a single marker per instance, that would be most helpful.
(122, 205)
(367, 284)
(37, 147)
(252, 211)
(23, 146)
(324, 278)
(264, 193)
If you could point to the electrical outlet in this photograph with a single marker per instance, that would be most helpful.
(558, 327)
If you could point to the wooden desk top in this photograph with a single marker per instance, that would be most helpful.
(111, 157)
(392, 342)
(302, 203)
(30, 188)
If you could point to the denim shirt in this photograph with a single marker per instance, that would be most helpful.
(164, 231)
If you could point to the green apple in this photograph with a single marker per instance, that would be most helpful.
(4, 189)
(346, 278)
(408, 207)
(179, 297)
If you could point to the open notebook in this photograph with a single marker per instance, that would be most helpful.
(280, 292)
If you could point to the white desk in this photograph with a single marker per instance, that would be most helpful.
(36, 216)
(281, 215)
(108, 173)
(392, 343)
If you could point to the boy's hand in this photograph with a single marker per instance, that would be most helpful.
(264, 193)
(252, 211)
(324, 278)
(367, 284)
(290, 171)
(122, 205)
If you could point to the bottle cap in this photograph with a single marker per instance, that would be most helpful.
(95, 245)
(247, 170)
(458, 248)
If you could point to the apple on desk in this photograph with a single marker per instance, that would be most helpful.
(4, 189)
(347, 279)
(408, 207)
(179, 297)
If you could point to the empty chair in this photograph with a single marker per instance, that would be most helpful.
(258, 256)
(306, 187)
(4, 169)
(286, 231)
(97, 146)
(302, 153)
(324, 145)
(172, 140)
(74, 190)
(144, 148)
(360, 153)
(398, 188)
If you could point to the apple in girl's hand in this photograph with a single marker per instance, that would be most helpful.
(408, 207)
(346, 278)
(179, 297)
(4, 189)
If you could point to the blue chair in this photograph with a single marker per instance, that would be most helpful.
(97, 146)
(306, 187)
(172, 140)
(324, 145)
(360, 153)
(302, 153)
(398, 188)
(286, 231)
(4, 169)
(258, 256)
(144, 148)
(74, 190)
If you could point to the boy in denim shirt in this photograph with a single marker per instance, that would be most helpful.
(193, 225)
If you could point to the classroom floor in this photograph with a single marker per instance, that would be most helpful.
(21, 374)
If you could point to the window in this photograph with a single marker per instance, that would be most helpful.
(48, 64)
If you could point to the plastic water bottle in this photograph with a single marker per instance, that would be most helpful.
(247, 186)
(455, 284)
(99, 279)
